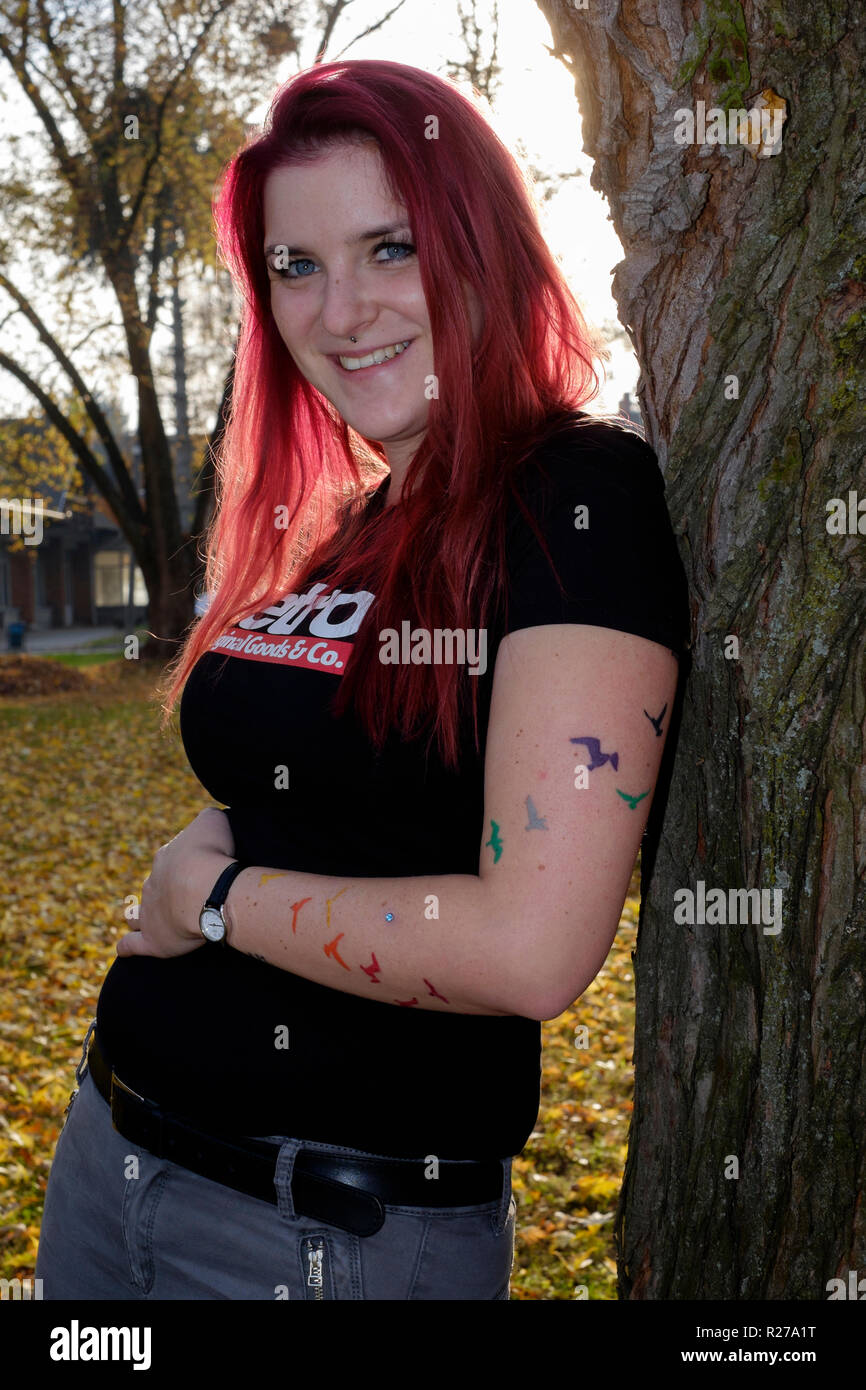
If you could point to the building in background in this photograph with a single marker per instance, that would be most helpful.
(82, 572)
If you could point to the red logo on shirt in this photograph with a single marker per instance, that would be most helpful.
(306, 630)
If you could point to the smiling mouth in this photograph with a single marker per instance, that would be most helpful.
(378, 358)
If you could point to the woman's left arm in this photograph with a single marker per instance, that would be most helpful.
(577, 725)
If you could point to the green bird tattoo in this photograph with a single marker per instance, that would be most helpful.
(495, 843)
(632, 800)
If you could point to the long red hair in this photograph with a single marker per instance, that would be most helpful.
(438, 559)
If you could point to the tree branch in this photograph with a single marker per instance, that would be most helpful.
(130, 221)
(82, 108)
(68, 164)
(156, 259)
(203, 486)
(371, 30)
(332, 14)
(88, 460)
(100, 423)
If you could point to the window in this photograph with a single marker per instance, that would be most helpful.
(111, 580)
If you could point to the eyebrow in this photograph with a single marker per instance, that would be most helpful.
(355, 241)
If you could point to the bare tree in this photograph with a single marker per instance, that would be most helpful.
(137, 126)
(331, 14)
(484, 73)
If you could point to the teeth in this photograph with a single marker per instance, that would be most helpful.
(352, 364)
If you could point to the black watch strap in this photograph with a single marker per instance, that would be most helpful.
(220, 890)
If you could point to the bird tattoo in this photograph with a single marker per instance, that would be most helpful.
(373, 970)
(328, 902)
(632, 800)
(657, 723)
(434, 993)
(331, 950)
(296, 907)
(598, 758)
(495, 843)
(406, 1003)
(536, 822)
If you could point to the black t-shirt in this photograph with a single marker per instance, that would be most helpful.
(196, 1032)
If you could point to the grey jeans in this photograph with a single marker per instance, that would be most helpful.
(120, 1223)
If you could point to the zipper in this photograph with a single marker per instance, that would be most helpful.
(316, 1266)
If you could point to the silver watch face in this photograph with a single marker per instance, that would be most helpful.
(213, 928)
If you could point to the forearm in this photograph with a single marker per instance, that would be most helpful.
(427, 943)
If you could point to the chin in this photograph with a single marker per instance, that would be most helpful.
(384, 431)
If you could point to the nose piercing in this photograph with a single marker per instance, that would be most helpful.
(354, 340)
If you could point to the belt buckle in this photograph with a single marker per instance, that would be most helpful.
(153, 1140)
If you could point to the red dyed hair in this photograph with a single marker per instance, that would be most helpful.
(438, 559)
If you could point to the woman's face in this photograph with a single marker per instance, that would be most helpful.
(333, 275)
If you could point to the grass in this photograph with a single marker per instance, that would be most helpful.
(77, 658)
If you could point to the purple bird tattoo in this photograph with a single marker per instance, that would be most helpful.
(598, 758)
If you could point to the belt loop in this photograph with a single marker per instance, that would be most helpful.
(283, 1175)
(83, 1063)
(501, 1217)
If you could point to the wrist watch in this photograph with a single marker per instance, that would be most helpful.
(212, 919)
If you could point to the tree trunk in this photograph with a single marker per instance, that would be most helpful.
(183, 444)
(167, 569)
(742, 288)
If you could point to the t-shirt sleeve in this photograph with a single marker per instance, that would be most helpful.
(597, 496)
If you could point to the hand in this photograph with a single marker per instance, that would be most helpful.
(184, 872)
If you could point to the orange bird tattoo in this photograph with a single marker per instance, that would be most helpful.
(331, 950)
(328, 902)
(296, 907)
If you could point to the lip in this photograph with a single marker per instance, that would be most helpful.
(376, 366)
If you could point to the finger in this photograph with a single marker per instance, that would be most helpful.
(133, 944)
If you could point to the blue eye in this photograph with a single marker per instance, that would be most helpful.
(403, 245)
(284, 272)
(288, 272)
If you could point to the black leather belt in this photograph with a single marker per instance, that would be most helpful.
(349, 1192)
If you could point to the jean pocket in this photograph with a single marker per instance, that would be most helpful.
(144, 1177)
(466, 1256)
(439, 1254)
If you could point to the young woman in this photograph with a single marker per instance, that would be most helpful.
(432, 686)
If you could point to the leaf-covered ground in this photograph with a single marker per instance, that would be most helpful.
(89, 789)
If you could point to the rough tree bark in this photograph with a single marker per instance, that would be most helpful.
(747, 1044)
